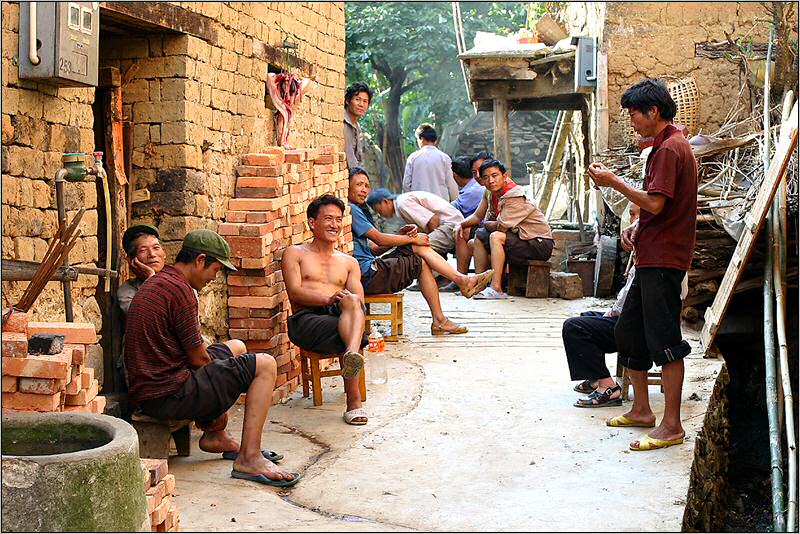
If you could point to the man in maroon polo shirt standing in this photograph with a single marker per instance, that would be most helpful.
(173, 375)
(649, 327)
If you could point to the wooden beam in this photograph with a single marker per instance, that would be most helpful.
(277, 57)
(161, 16)
(502, 139)
(542, 86)
(111, 98)
(572, 101)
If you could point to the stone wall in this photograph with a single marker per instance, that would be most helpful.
(39, 123)
(652, 39)
(709, 491)
(194, 107)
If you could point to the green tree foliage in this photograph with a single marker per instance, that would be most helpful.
(407, 52)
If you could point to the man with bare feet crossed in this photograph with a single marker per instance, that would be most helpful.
(324, 287)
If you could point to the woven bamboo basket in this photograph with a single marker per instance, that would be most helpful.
(687, 100)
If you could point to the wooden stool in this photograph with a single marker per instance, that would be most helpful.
(395, 314)
(313, 374)
(154, 435)
(531, 279)
(653, 379)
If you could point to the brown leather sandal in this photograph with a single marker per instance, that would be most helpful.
(448, 328)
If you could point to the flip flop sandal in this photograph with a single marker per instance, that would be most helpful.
(272, 456)
(263, 479)
(650, 444)
(621, 420)
(490, 294)
(585, 387)
(351, 416)
(600, 400)
(352, 364)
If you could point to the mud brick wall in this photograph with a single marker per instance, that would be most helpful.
(197, 106)
(268, 214)
(39, 123)
(193, 106)
(709, 492)
(651, 39)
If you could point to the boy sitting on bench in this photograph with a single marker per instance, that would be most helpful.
(515, 230)
(324, 288)
(173, 375)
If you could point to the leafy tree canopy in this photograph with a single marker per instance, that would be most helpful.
(416, 41)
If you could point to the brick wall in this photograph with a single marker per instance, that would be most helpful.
(653, 39)
(195, 107)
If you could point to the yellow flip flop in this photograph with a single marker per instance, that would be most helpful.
(649, 444)
(621, 420)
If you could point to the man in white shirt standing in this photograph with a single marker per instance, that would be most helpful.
(428, 212)
(429, 169)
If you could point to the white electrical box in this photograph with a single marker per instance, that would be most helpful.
(66, 37)
(585, 64)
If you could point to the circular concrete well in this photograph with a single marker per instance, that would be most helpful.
(71, 472)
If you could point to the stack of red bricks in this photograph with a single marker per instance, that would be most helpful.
(159, 487)
(48, 382)
(267, 215)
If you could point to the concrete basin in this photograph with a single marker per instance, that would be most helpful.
(71, 472)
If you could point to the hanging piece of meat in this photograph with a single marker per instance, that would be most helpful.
(286, 90)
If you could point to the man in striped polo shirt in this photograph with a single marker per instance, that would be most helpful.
(173, 375)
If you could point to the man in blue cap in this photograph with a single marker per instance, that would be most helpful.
(174, 375)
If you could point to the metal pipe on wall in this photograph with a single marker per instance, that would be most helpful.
(60, 180)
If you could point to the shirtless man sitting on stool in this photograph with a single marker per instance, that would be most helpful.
(324, 288)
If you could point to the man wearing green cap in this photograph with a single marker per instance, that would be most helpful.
(172, 374)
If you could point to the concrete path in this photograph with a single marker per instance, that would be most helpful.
(472, 432)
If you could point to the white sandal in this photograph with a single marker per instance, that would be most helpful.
(491, 294)
(352, 417)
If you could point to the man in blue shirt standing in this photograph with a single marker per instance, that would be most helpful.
(411, 258)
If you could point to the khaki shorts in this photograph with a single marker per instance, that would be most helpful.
(443, 238)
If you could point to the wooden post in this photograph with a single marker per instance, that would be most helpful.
(110, 93)
(502, 139)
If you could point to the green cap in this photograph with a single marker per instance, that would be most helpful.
(210, 243)
(134, 231)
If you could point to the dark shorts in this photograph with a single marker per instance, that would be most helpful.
(392, 272)
(317, 330)
(649, 328)
(520, 250)
(210, 390)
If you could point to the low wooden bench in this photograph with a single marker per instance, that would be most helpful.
(531, 279)
(653, 379)
(312, 375)
(395, 315)
(155, 434)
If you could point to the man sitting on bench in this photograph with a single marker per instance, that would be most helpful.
(515, 230)
(411, 259)
(173, 375)
(324, 287)
(146, 257)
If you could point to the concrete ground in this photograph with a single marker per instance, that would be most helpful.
(471, 432)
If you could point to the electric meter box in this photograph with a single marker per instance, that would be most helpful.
(585, 64)
(67, 42)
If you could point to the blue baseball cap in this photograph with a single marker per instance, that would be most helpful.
(378, 195)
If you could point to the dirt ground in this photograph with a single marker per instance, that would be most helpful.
(473, 432)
